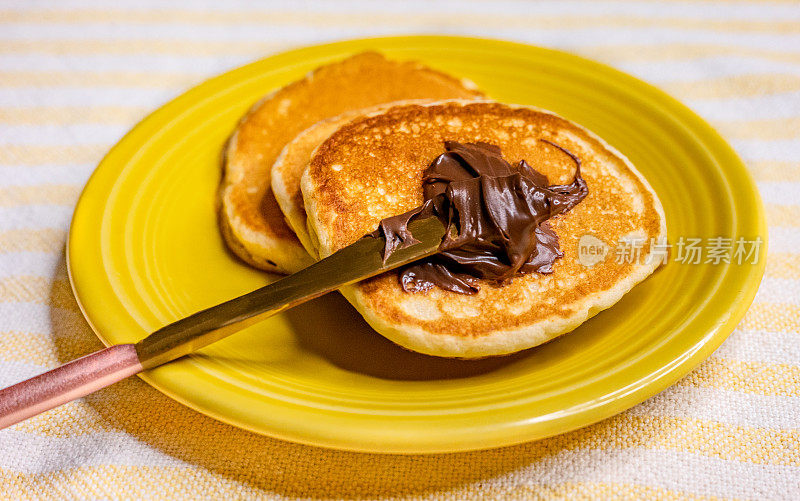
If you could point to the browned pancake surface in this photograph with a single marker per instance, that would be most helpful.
(372, 168)
(251, 219)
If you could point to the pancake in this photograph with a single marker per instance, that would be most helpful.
(250, 219)
(293, 160)
(372, 167)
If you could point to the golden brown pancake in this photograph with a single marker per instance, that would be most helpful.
(293, 160)
(372, 168)
(250, 218)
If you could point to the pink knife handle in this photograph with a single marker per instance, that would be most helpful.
(67, 382)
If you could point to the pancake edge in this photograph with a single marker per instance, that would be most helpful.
(263, 249)
(297, 221)
(285, 256)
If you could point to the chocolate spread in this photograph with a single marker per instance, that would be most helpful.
(496, 216)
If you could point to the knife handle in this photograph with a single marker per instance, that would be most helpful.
(65, 383)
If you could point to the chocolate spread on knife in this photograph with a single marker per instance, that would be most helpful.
(496, 217)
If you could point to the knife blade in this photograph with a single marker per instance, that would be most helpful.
(358, 261)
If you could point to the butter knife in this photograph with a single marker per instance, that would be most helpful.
(362, 259)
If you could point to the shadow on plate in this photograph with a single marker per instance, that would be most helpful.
(332, 329)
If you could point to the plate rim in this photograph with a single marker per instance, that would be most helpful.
(676, 370)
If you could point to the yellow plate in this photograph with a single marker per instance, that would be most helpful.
(144, 250)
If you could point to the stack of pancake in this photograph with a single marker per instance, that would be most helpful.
(317, 164)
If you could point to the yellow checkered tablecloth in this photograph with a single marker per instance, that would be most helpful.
(75, 75)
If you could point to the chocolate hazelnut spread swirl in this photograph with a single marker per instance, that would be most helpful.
(496, 216)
